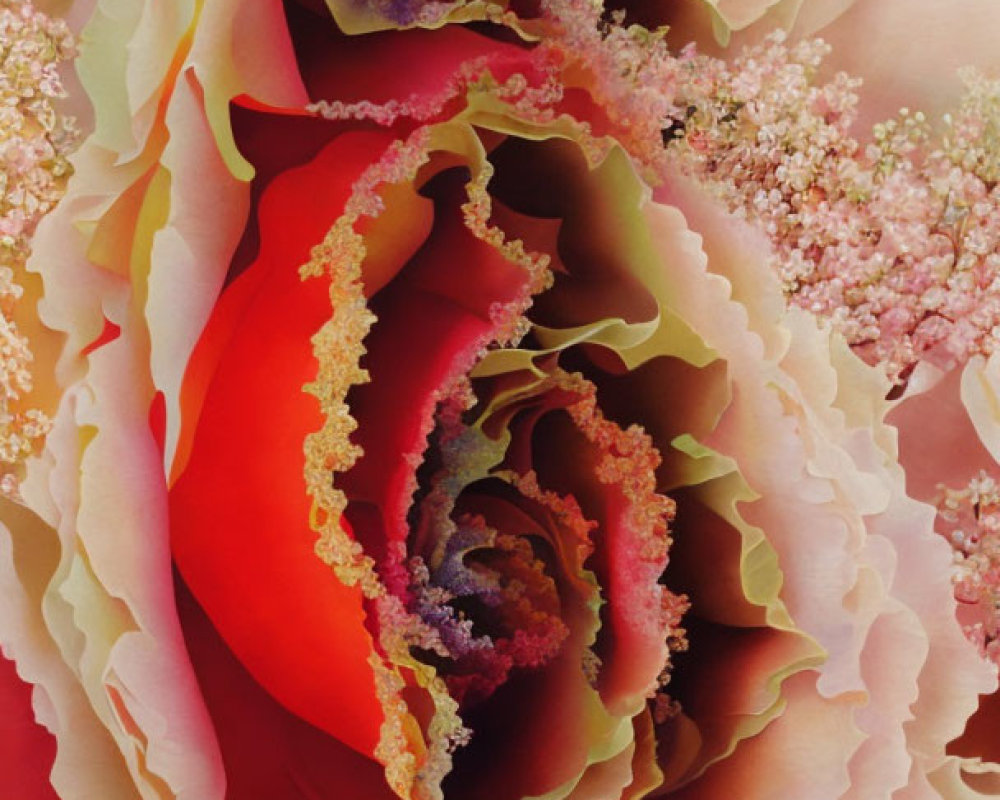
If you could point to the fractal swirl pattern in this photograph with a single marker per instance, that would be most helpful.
(521, 400)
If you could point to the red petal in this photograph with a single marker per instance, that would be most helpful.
(239, 511)
(432, 319)
(632, 639)
(109, 333)
(27, 750)
(267, 751)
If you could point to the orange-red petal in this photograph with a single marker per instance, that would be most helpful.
(239, 510)
(268, 751)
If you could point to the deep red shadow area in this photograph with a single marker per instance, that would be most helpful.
(268, 752)
(27, 750)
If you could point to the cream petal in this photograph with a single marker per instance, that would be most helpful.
(880, 593)
(909, 51)
(191, 253)
(966, 779)
(136, 223)
(87, 763)
(115, 580)
(980, 393)
(606, 779)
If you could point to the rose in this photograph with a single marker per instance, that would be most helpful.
(651, 316)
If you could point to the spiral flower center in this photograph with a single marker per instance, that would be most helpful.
(484, 571)
(494, 604)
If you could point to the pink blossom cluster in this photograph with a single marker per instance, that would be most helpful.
(895, 238)
(970, 519)
(35, 140)
(628, 70)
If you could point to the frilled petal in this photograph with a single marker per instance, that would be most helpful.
(804, 751)
(328, 60)
(115, 625)
(894, 572)
(131, 217)
(38, 630)
(435, 307)
(603, 230)
(860, 583)
(441, 307)
(234, 513)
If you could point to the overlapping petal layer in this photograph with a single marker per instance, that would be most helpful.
(617, 364)
(95, 628)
